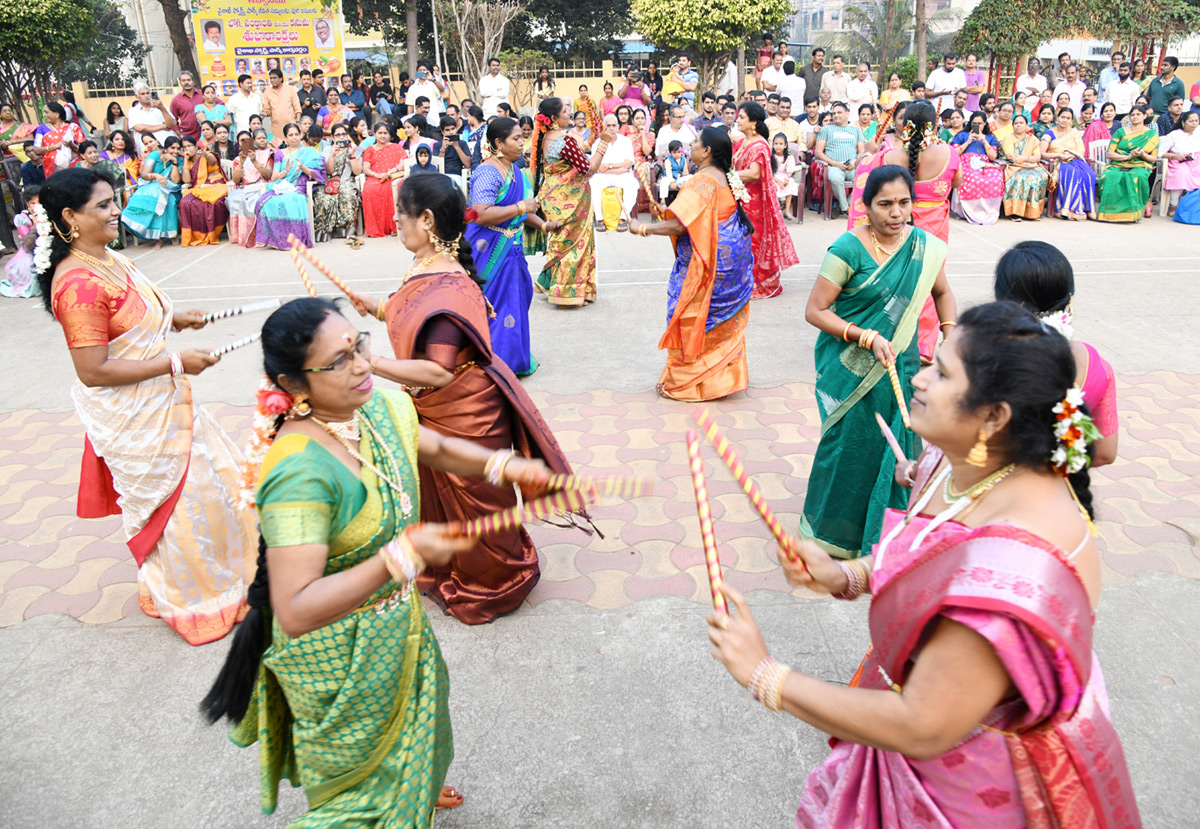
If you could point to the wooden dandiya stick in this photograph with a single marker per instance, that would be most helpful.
(890, 438)
(266, 305)
(725, 450)
(225, 349)
(711, 560)
(895, 378)
(303, 273)
(614, 485)
(644, 177)
(307, 253)
(567, 500)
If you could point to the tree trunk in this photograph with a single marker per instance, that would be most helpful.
(919, 28)
(410, 35)
(180, 42)
(887, 43)
(741, 72)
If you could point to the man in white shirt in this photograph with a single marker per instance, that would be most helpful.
(1110, 73)
(213, 39)
(1033, 82)
(674, 130)
(425, 86)
(1073, 87)
(615, 170)
(1123, 92)
(148, 116)
(244, 103)
(792, 85)
(836, 81)
(810, 124)
(323, 34)
(944, 81)
(773, 74)
(862, 90)
(494, 88)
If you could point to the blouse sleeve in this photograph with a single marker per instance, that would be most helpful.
(485, 185)
(83, 307)
(1104, 410)
(574, 155)
(836, 267)
(296, 495)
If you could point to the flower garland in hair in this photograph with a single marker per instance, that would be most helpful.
(929, 134)
(1060, 321)
(737, 186)
(270, 402)
(41, 247)
(1074, 430)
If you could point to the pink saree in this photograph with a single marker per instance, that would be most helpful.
(1048, 757)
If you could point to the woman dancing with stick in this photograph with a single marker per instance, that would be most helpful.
(981, 701)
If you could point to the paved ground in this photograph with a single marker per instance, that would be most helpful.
(597, 703)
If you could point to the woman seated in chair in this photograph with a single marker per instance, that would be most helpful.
(283, 209)
(1075, 195)
(203, 212)
(153, 211)
(383, 163)
(119, 145)
(1025, 179)
(335, 206)
(1125, 182)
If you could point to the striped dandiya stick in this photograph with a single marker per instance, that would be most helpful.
(566, 500)
(895, 378)
(725, 450)
(266, 305)
(225, 349)
(890, 438)
(303, 273)
(704, 510)
(307, 253)
(614, 485)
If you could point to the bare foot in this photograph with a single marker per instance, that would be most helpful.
(157, 245)
(449, 798)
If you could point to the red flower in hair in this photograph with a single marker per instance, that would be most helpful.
(544, 120)
(471, 215)
(274, 401)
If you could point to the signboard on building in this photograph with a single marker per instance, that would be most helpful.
(252, 37)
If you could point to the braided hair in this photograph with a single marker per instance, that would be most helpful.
(717, 140)
(287, 336)
(918, 115)
(444, 199)
(67, 189)
(550, 108)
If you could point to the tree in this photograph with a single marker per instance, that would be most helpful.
(38, 37)
(522, 65)
(708, 30)
(573, 29)
(476, 29)
(405, 24)
(869, 23)
(181, 44)
(114, 59)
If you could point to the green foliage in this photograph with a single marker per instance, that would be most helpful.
(112, 60)
(906, 67)
(572, 29)
(41, 35)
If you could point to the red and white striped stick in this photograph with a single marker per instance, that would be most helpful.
(303, 273)
(614, 485)
(707, 538)
(891, 370)
(307, 253)
(566, 500)
(725, 450)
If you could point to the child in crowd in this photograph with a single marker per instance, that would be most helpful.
(424, 162)
(675, 173)
(785, 168)
(19, 270)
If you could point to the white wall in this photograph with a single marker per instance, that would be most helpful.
(146, 18)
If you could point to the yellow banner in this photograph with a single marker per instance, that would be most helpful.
(252, 37)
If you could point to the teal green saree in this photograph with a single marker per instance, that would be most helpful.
(852, 480)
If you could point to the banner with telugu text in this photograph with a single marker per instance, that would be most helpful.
(252, 37)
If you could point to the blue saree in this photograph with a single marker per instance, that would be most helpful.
(153, 209)
(500, 260)
(284, 207)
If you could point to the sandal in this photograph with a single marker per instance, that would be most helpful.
(449, 798)
(622, 226)
(600, 226)
(355, 243)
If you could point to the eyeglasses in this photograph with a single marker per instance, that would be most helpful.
(362, 348)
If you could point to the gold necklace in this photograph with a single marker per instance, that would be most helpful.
(419, 266)
(104, 267)
(978, 490)
(880, 249)
(337, 435)
(347, 429)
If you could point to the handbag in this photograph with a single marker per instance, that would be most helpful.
(333, 186)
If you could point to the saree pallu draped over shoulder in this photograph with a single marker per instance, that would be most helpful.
(852, 480)
(486, 404)
(356, 711)
(569, 274)
(1048, 758)
(708, 296)
(158, 460)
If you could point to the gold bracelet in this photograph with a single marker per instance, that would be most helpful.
(951, 324)
(379, 310)
(642, 230)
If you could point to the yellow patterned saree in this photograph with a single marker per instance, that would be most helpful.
(356, 711)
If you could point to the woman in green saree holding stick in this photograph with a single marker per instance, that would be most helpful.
(336, 672)
(866, 303)
(1125, 182)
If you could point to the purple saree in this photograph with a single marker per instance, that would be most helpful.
(1047, 757)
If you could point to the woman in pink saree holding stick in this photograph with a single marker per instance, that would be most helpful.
(980, 701)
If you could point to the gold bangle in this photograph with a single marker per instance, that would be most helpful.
(379, 310)
(846, 332)
(951, 324)
(642, 230)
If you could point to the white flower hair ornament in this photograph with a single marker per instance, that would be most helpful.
(41, 247)
(1060, 321)
(737, 186)
(1074, 430)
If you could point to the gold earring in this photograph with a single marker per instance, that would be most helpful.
(66, 237)
(979, 454)
(299, 410)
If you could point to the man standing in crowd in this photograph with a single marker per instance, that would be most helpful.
(687, 77)
(773, 74)
(353, 98)
(729, 121)
(785, 123)
(1055, 76)
(148, 116)
(675, 130)
(792, 85)
(1073, 87)
(708, 116)
(960, 103)
(616, 170)
(244, 103)
(1110, 73)
(836, 81)
(318, 76)
(861, 89)
(494, 88)
(813, 74)
(944, 81)
(310, 96)
(1170, 120)
(184, 103)
(976, 83)
(1123, 92)
(1166, 86)
(425, 86)
(281, 103)
(1033, 82)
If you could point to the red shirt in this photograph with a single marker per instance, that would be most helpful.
(183, 107)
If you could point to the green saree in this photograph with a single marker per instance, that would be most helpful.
(1125, 185)
(356, 712)
(852, 480)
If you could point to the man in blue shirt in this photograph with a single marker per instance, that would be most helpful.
(351, 97)
(1112, 72)
(708, 115)
(687, 77)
